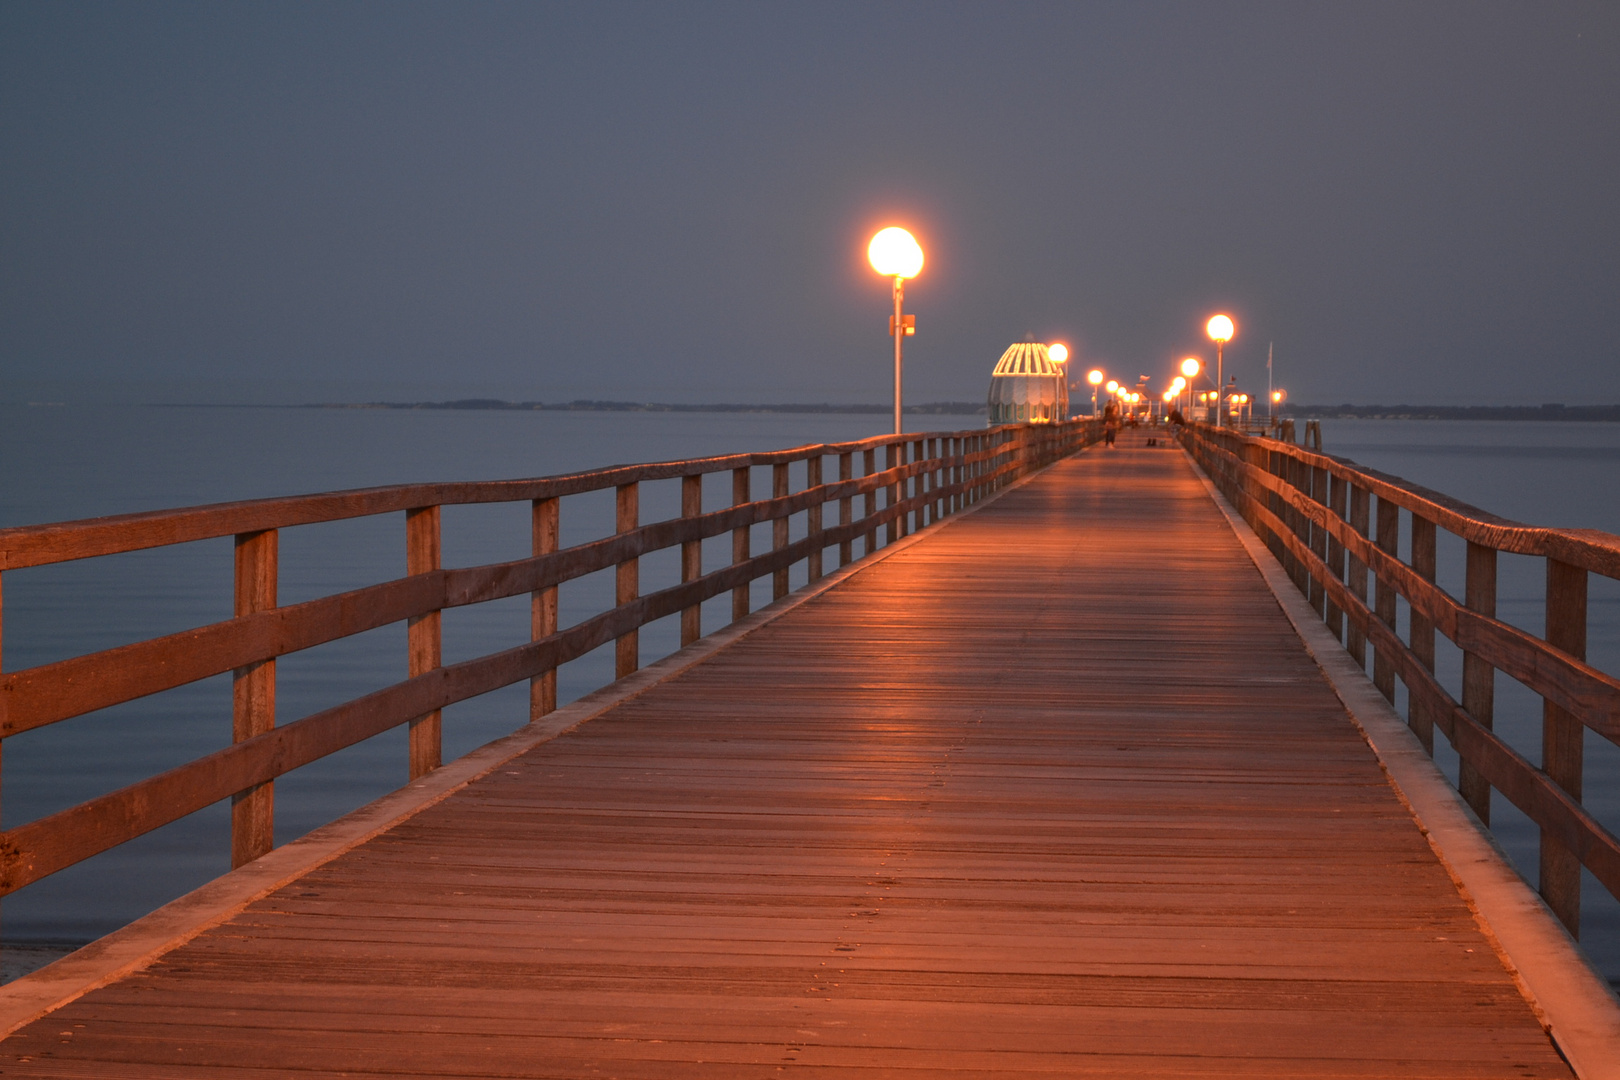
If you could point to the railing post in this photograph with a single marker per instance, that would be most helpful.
(815, 517)
(1302, 524)
(846, 471)
(253, 697)
(927, 481)
(1275, 465)
(545, 538)
(936, 455)
(779, 529)
(869, 502)
(919, 486)
(1562, 735)
(626, 578)
(1422, 629)
(739, 542)
(982, 467)
(1355, 637)
(964, 473)
(936, 474)
(1256, 457)
(1388, 541)
(691, 556)
(1318, 538)
(890, 455)
(958, 474)
(970, 470)
(2, 648)
(1338, 496)
(993, 444)
(1478, 677)
(422, 556)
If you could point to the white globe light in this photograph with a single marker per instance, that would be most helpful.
(1059, 352)
(894, 252)
(1220, 328)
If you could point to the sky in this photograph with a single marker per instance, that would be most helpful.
(1408, 202)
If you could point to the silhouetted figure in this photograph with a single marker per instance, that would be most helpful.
(1110, 423)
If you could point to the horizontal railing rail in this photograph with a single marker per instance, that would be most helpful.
(923, 477)
(1332, 523)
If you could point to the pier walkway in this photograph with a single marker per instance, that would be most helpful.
(1053, 789)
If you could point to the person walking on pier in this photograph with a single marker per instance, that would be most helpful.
(1110, 423)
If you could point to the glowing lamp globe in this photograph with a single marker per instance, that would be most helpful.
(893, 252)
(1219, 328)
(1094, 377)
(1112, 387)
(1190, 367)
(1059, 352)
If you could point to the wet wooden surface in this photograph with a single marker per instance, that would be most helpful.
(1056, 791)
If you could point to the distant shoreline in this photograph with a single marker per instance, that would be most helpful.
(934, 408)
(1564, 413)
(1585, 413)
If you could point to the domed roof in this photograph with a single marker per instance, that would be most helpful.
(1027, 358)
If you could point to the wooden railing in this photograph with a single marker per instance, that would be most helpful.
(1331, 522)
(922, 478)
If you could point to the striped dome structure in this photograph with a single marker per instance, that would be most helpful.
(1028, 387)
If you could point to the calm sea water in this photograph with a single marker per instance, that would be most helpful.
(62, 463)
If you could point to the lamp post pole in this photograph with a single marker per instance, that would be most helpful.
(894, 253)
(899, 337)
(1220, 329)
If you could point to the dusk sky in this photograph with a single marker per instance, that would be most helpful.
(1416, 202)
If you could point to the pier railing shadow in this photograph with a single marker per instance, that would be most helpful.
(1334, 525)
(884, 488)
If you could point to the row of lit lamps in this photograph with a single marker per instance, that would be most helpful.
(895, 253)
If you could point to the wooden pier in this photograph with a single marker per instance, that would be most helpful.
(1052, 788)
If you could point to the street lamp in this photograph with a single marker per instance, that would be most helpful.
(1278, 396)
(1220, 330)
(894, 253)
(1190, 368)
(1095, 378)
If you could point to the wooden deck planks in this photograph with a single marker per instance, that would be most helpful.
(1056, 791)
